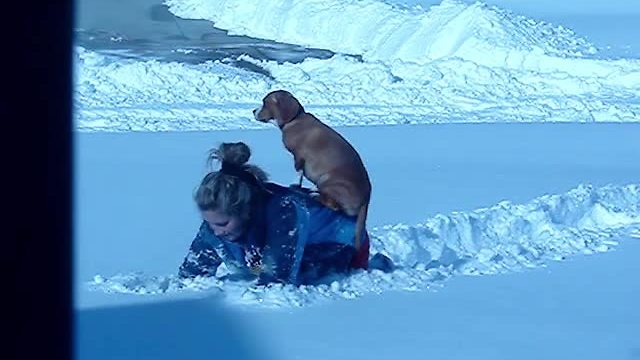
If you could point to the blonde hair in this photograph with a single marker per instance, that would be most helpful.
(226, 192)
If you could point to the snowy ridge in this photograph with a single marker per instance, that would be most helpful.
(377, 30)
(115, 94)
(503, 238)
(454, 62)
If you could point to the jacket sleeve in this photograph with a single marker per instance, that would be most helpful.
(202, 258)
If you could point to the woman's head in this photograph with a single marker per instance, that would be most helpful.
(226, 197)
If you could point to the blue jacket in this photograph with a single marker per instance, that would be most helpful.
(295, 234)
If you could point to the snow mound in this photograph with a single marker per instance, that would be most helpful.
(453, 62)
(503, 238)
(381, 31)
(117, 94)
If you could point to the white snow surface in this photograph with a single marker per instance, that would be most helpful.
(379, 30)
(506, 237)
(453, 62)
(114, 94)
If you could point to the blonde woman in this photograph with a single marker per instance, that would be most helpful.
(258, 228)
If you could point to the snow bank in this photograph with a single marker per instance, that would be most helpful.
(118, 94)
(453, 62)
(380, 31)
(503, 238)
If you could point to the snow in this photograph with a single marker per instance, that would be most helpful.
(381, 31)
(502, 147)
(463, 63)
(502, 238)
(509, 236)
(582, 308)
(161, 96)
(470, 200)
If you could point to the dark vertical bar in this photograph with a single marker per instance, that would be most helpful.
(36, 118)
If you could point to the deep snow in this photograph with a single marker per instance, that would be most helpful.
(583, 308)
(134, 230)
(427, 189)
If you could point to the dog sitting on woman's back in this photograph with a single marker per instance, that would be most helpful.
(322, 155)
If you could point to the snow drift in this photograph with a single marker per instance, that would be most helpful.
(115, 94)
(454, 62)
(381, 31)
(503, 238)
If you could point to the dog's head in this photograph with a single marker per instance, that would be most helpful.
(280, 106)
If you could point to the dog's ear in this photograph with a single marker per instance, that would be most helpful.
(288, 106)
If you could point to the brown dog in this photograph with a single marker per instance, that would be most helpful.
(322, 155)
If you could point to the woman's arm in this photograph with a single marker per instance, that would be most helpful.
(202, 258)
(207, 252)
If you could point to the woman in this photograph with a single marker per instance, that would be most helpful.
(280, 234)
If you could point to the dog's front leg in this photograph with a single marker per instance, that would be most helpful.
(298, 163)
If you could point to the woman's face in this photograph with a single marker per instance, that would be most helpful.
(227, 227)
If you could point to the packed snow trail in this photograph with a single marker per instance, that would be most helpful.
(503, 238)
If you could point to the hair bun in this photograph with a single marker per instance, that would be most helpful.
(233, 153)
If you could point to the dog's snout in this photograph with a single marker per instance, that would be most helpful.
(256, 114)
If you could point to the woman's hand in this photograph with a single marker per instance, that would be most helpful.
(253, 258)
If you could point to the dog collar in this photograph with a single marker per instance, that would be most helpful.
(300, 112)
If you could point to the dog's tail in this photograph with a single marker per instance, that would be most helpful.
(360, 224)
